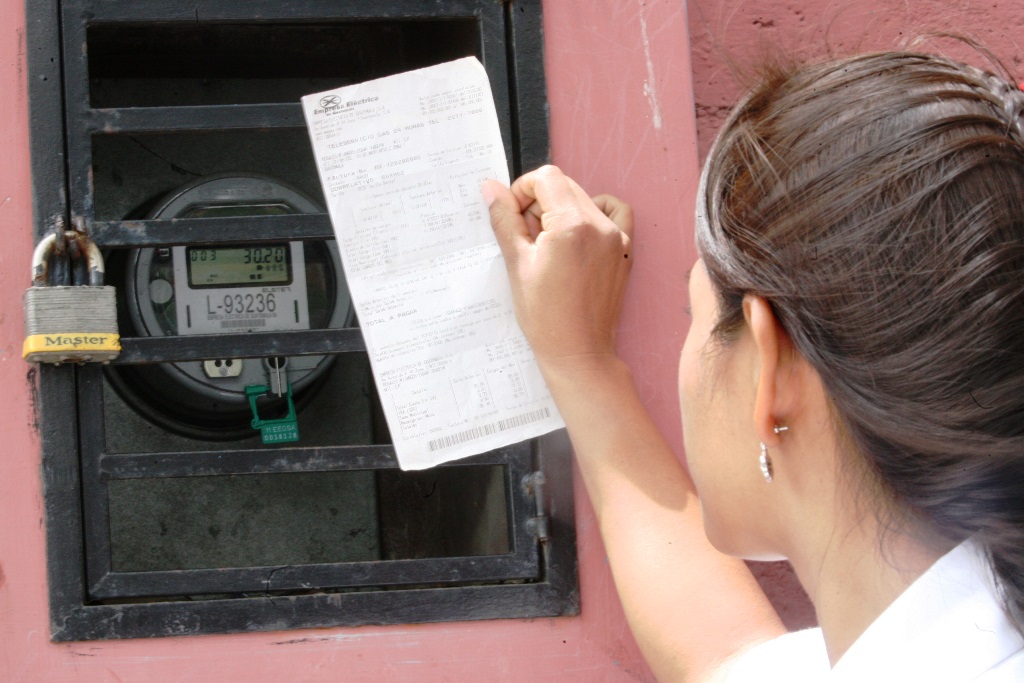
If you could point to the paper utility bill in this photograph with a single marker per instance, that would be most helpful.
(401, 160)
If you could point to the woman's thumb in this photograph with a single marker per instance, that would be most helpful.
(507, 220)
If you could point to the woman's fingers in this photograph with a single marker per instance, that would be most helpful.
(548, 199)
(617, 210)
(510, 227)
(555, 201)
(565, 258)
(532, 214)
(548, 187)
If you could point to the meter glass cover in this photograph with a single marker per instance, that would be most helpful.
(261, 264)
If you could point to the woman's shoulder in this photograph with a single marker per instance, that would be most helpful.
(1010, 670)
(800, 656)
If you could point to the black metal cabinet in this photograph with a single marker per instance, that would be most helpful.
(166, 521)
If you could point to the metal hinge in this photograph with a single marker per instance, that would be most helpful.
(534, 484)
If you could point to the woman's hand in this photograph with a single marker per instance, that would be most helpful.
(568, 258)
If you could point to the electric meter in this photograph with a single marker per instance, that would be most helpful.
(216, 289)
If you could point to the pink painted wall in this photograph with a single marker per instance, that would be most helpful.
(742, 31)
(622, 121)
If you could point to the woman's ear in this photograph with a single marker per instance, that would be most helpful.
(773, 358)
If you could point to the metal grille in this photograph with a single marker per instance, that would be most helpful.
(108, 107)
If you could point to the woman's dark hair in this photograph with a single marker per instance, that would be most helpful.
(877, 203)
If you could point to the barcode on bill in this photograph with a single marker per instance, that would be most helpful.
(485, 430)
(247, 322)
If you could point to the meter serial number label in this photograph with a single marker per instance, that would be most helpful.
(240, 288)
(242, 303)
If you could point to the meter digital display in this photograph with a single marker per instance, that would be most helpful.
(218, 289)
(268, 264)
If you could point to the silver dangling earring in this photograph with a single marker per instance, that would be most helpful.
(766, 460)
(766, 463)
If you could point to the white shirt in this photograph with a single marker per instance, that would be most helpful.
(947, 627)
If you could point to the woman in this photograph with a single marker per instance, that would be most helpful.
(852, 385)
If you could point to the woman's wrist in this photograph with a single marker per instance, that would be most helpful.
(583, 371)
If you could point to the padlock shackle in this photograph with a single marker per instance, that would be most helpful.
(43, 251)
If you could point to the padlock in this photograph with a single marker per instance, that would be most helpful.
(70, 323)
